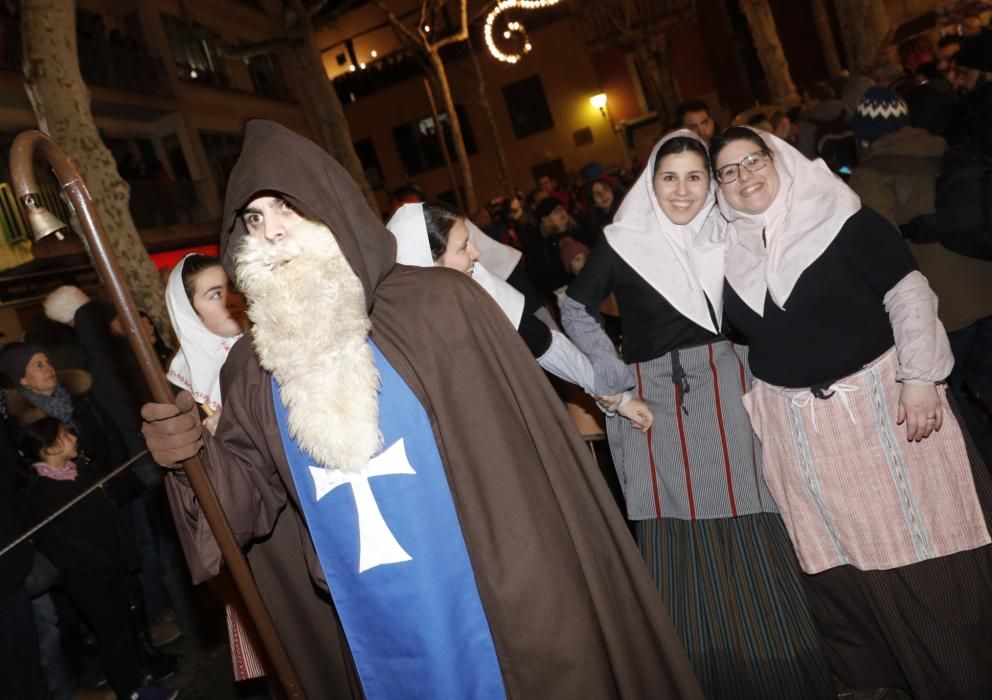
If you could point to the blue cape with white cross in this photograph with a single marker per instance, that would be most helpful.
(392, 551)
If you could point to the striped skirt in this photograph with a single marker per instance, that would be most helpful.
(734, 594)
(700, 459)
(925, 628)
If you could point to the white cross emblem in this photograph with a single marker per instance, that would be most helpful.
(376, 545)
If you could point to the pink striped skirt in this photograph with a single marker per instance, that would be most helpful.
(850, 487)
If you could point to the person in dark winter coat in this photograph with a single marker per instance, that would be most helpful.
(63, 395)
(20, 663)
(84, 541)
(897, 178)
(823, 109)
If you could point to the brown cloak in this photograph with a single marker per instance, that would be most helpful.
(571, 607)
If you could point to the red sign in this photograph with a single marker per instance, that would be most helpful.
(168, 259)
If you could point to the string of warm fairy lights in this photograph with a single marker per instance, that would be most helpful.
(513, 27)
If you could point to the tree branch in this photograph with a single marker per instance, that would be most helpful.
(398, 26)
(460, 35)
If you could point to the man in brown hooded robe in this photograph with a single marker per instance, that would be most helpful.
(566, 598)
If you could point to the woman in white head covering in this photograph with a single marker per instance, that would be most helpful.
(705, 521)
(432, 234)
(208, 317)
(846, 347)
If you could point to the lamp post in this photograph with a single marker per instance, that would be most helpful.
(598, 101)
(25, 147)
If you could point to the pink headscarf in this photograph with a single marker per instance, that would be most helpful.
(811, 207)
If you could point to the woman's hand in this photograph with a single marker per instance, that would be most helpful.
(919, 406)
(609, 403)
(638, 413)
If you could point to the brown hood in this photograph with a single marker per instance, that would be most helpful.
(277, 160)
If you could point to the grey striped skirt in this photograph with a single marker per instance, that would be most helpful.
(719, 554)
(700, 459)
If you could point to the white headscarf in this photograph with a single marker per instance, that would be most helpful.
(196, 367)
(811, 207)
(683, 263)
(413, 248)
(499, 259)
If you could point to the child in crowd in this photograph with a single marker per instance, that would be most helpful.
(84, 543)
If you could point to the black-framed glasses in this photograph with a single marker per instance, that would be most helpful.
(752, 161)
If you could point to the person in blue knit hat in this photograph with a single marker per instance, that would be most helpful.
(882, 111)
(897, 178)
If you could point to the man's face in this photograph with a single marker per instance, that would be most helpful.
(269, 218)
(700, 122)
(547, 184)
(944, 56)
(559, 219)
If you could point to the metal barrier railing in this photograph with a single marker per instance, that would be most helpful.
(97, 484)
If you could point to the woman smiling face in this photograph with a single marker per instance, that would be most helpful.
(681, 184)
(753, 191)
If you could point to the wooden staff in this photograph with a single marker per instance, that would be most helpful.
(26, 146)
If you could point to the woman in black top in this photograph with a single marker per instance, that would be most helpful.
(705, 521)
(846, 347)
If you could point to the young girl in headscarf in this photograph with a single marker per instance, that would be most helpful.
(208, 318)
(846, 347)
(705, 522)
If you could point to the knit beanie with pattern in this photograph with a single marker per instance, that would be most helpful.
(881, 112)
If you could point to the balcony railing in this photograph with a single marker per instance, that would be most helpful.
(100, 63)
(122, 68)
(153, 203)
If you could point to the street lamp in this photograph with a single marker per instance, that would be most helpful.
(42, 222)
(599, 102)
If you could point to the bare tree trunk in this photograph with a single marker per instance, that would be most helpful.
(487, 108)
(770, 53)
(651, 82)
(322, 105)
(456, 130)
(864, 26)
(61, 102)
(826, 34)
(661, 65)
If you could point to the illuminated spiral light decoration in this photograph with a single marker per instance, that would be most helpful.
(513, 27)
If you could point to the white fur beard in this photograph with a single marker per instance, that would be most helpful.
(311, 332)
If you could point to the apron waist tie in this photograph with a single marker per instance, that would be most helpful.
(807, 397)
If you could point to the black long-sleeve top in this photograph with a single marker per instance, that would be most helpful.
(651, 326)
(834, 322)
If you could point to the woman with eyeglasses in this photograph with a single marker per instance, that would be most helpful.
(882, 498)
(704, 519)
